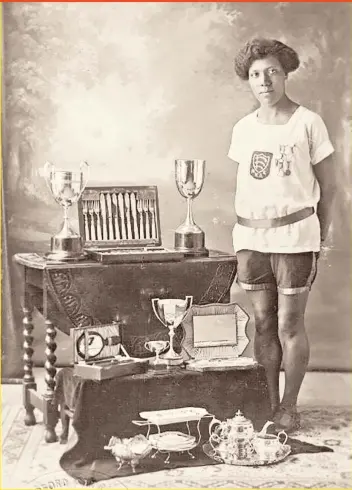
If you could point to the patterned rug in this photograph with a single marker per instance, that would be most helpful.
(29, 462)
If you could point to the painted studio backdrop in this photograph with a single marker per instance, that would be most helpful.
(130, 87)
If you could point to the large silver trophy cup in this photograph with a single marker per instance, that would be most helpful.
(66, 187)
(189, 237)
(171, 313)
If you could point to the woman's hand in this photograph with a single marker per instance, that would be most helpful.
(324, 251)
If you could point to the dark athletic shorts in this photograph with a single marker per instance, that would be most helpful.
(286, 273)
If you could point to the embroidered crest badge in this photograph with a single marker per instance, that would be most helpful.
(260, 164)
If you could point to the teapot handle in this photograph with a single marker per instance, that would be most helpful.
(213, 422)
(282, 433)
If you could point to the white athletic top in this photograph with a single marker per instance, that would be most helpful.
(276, 178)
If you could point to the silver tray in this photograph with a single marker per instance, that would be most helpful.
(254, 461)
(226, 364)
(174, 415)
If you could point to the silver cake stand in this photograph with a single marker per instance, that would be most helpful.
(168, 442)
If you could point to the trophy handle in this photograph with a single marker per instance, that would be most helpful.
(189, 302)
(154, 302)
(48, 168)
(84, 168)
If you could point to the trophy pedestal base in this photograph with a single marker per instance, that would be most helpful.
(62, 257)
(171, 361)
(157, 367)
(66, 249)
(194, 253)
(191, 243)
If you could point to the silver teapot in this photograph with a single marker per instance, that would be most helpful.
(233, 438)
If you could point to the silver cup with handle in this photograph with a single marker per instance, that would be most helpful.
(66, 188)
(157, 347)
(171, 313)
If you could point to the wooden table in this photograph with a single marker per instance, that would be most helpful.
(83, 293)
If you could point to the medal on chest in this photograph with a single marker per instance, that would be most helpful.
(284, 160)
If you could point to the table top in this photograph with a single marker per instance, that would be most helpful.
(38, 261)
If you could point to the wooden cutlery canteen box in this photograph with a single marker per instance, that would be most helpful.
(122, 224)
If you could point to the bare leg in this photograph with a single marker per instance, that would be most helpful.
(294, 343)
(267, 346)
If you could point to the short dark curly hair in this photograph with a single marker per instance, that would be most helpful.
(260, 48)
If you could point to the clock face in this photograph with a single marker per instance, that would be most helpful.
(96, 342)
(95, 345)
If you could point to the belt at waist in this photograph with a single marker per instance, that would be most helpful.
(275, 222)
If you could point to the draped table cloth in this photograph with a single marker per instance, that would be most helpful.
(103, 409)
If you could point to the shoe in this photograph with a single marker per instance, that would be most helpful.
(287, 419)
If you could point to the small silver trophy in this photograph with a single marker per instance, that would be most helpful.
(171, 313)
(157, 346)
(66, 188)
(189, 237)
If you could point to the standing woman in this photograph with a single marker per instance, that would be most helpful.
(285, 185)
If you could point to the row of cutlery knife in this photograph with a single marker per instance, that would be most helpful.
(119, 216)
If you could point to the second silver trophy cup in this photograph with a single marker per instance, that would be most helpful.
(189, 237)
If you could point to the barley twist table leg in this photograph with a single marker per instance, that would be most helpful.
(28, 378)
(50, 358)
(51, 412)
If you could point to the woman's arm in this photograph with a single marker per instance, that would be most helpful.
(235, 172)
(326, 176)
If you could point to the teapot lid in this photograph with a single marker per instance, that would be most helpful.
(240, 419)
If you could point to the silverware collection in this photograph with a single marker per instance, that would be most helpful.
(119, 216)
